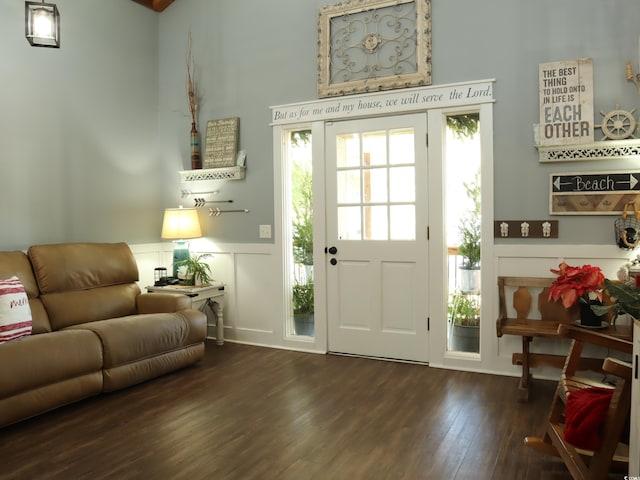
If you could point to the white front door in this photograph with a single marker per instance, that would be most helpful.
(376, 214)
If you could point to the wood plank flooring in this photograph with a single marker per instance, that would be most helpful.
(249, 412)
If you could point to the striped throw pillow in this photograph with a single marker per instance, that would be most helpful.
(15, 314)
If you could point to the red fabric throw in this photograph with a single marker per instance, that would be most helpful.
(585, 414)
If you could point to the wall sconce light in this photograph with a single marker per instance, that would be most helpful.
(42, 24)
(178, 225)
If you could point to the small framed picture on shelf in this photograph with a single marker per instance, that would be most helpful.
(221, 145)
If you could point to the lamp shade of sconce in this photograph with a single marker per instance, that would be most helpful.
(181, 224)
(42, 24)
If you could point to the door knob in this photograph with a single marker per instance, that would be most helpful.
(333, 250)
(333, 261)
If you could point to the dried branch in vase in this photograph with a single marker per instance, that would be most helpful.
(635, 78)
(191, 84)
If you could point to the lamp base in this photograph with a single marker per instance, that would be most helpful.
(180, 254)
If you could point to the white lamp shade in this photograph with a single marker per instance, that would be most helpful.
(181, 223)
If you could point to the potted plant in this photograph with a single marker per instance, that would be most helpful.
(464, 310)
(625, 299)
(464, 314)
(579, 285)
(303, 299)
(195, 270)
(470, 230)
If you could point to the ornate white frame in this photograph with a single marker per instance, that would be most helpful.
(420, 77)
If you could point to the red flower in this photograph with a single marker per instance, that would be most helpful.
(576, 282)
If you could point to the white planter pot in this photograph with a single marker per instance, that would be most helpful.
(469, 280)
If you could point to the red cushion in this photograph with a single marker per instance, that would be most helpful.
(585, 414)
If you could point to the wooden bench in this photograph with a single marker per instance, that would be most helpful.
(544, 324)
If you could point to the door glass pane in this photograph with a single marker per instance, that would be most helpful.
(403, 222)
(402, 184)
(374, 185)
(348, 154)
(349, 223)
(401, 147)
(374, 146)
(349, 186)
(463, 232)
(300, 245)
(376, 223)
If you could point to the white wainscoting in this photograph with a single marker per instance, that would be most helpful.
(254, 310)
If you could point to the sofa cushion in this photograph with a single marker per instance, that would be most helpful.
(137, 337)
(80, 266)
(85, 282)
(15, 314)
(72, 308)
(16, 263)
(38, 360)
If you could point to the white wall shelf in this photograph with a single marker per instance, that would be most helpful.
(220, 173)
(604, 150)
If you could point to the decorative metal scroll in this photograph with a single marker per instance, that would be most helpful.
(370, 45)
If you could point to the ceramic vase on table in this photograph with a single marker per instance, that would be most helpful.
(196, 162)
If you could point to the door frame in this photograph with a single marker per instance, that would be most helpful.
(436, 101)
(439, 356)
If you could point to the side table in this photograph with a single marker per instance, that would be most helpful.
(211, 296)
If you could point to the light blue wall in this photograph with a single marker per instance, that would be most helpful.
(78, 127)
(92, 154)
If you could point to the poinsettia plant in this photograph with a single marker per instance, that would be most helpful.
(575, 284)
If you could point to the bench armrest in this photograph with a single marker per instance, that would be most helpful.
(596, 338)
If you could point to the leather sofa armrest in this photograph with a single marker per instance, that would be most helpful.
(162, 302)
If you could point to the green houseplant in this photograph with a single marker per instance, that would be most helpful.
(195, 268)
(469, 227)
(464, 310)
(302, 216)
(625, 299)
(303, 299)
(470, 234)
(302, 241)
(464, 315)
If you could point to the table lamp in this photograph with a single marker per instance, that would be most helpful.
(180, 224)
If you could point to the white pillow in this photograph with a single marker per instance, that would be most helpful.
(15, 314)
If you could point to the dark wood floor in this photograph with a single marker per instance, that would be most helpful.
(256, 413)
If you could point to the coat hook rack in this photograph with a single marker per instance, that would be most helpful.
(201, 202)
(215, 212)
(187, 193)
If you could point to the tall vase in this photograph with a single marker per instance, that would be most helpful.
(195, 147)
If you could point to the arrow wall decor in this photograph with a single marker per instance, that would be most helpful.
(185, 192)
(215, 212)
(592, 193)
(201, 202)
